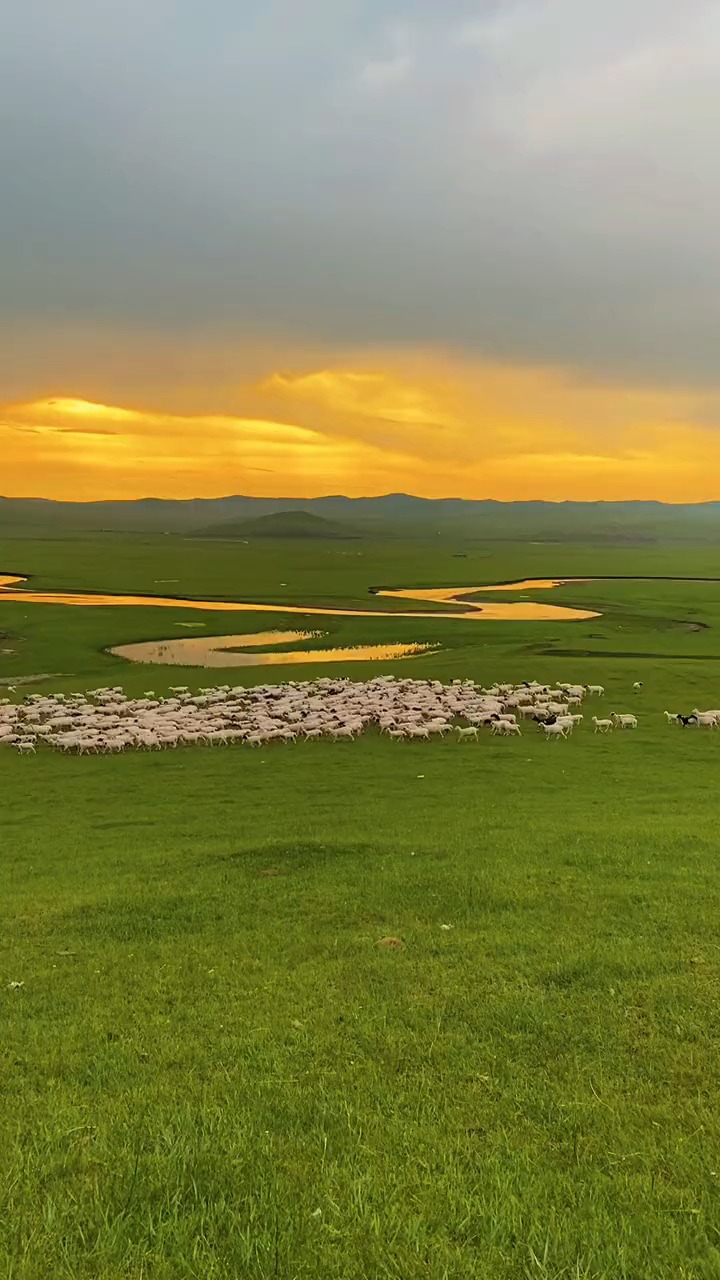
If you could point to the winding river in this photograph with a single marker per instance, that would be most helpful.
(232, 650)
(492, 611)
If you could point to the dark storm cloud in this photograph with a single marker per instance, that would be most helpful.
(530, 181)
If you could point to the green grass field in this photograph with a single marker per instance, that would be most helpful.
(212, 1070)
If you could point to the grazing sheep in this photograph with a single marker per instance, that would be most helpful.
(106, 721)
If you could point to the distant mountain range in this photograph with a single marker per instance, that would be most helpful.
(393, 514)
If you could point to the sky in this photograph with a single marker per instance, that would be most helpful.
(360, 246)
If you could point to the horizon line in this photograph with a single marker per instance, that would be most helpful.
(376, 497)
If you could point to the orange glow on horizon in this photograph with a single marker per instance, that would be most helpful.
(413, 422)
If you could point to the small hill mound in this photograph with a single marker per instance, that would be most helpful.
(281, 524)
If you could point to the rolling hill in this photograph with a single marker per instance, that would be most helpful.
(280, 524)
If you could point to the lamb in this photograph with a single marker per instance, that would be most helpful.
(465, 734)
(505, 728)
(556, 730)
(603, 726)
(625, 721)
(596, 690)
(672, 717)
(567, 722)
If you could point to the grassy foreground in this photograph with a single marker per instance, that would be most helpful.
(212, 1069)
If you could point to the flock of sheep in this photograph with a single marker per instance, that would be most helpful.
(105, 720)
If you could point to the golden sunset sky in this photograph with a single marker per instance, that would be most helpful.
(462, 250)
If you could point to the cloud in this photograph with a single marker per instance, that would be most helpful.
(424, 423)
(388, 244)
(532, 182)
(381, 399)
(392, 70)
(79, 449)
(386, 73)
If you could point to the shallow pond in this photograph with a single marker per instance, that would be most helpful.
(222, 651)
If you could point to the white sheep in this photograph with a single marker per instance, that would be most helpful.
(711, 712)
(603, 726)
(567, 722)
(555, 730)
(625, 721)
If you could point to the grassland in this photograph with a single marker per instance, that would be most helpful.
(212, 1070)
